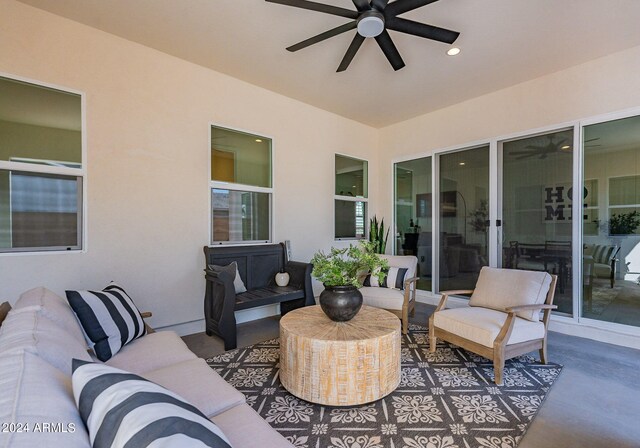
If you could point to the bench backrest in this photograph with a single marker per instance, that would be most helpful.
(257, 264)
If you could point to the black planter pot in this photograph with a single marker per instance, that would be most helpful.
(340, 303)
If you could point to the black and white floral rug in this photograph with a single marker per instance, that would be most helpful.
(445, 399)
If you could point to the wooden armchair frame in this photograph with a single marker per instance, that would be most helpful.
(409, 304)
(501, 351)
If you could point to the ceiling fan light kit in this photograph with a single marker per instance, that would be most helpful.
(372, 20)
(370, 24)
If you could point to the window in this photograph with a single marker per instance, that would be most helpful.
(241, 187)
(41, 168)
(350, 197)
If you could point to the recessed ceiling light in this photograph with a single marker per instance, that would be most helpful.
(258, 140)
(462, 163)
(566, 147)
(353, 186)
(453, 51)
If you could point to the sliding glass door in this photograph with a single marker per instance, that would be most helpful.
(537, 195)
(463, 214)
(413, 221)
(611, 230)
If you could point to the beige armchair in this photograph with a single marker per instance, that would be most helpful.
(399, 302)
(502, 319)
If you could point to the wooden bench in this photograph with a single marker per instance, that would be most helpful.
(257, 265)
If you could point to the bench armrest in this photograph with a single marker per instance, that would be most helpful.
(300, 277)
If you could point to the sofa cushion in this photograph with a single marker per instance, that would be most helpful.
(232, 270)
(390, 299)
(482, 325)
(33, 393)
(393, 278)
(109, 318)
(205, 389)
(244, 427)
(122, 409)
(499, 289)
(152, 352)
(28, 329)
(54, 308)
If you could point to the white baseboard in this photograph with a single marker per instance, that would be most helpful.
(185, 328)
(198, 326)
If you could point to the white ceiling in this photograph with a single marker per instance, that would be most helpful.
(503, 42)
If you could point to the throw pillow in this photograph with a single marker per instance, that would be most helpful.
(393, 279)
(109, 318)
(122, 409)
(232, 269)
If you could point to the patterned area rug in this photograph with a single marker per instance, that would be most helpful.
(445, 400)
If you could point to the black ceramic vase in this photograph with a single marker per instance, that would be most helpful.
(340, 303)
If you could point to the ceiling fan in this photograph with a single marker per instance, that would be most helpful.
(543, 150)
(372, 19)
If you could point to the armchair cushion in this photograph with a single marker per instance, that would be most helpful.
(389, 299)
(499, 289)
(408, 262)
(600, 253)
(482, 325)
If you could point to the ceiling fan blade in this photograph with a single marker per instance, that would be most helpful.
(390, 51)
(380, 5)
(592, 139)
(351, 52)
(513, 153)
(537, 148)
(362, 5)
(323, 36)
(524, 157)
(313, 6)
(401, 6)
(421, 29)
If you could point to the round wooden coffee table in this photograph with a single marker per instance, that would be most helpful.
(340, 363)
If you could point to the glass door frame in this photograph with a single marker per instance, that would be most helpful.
(495, 210)
(576, 206)
(579, 181)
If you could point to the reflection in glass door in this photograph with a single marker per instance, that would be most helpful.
(463, 217)
(611, 230)
(413, 215)
(536, 217)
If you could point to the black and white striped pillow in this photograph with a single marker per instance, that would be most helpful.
(122, 409)
(393, 279)
(109, 318)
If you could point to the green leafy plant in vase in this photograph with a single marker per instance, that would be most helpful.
(342, 271)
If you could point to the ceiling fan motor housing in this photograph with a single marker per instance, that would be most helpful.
(370, 24)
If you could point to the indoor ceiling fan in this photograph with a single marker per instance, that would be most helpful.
(543, 150)
(372, 19)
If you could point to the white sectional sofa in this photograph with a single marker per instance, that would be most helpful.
(41, 336)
